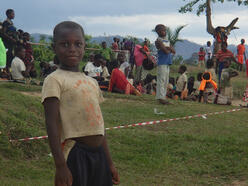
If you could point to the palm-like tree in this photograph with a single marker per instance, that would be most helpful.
(173, 35)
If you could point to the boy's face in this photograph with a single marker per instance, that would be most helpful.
(69, 47)
(161, 31)
(21, 54)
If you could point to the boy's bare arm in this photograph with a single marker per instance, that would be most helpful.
(160, 46)
(115, 175)
(63, 174)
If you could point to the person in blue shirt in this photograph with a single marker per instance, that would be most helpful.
(165, 52)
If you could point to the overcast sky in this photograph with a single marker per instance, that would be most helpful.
(124, 17)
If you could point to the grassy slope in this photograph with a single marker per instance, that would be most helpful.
(188, 152)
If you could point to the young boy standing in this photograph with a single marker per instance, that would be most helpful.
(164, 62)
(73, 115)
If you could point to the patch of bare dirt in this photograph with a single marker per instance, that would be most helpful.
(239, 183)
(238, 103)
(36, 94)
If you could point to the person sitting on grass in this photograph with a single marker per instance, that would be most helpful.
(45, 69)
(18, 69)
(190, 84)
(210, 69)
(74, 120)
(124, 65)
(195, 93)
(94, 69)
(171, 88)
(181, 86)
(119, 83)
(105, 72)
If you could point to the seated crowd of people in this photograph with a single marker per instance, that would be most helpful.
(122, 68)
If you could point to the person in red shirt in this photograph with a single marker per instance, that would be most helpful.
(241, 54)
(222, 56)
(201, 57)
(119, 83)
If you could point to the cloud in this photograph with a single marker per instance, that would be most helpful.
(141, 25)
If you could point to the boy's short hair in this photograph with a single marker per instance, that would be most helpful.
(18, 49)
(66, 24)
(8, 12)
(183, 68)
(157, 27)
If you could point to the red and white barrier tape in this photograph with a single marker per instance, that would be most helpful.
(146, 123)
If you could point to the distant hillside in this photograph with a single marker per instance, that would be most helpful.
(185, 48)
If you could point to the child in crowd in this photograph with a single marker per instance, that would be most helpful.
(46, 69)
(209, 50)
(124, 65)
(165, 52)
(29, 59)
(95, 69)
(171, 88)
(181, 86)
(149, 84)
(55, 63)
(190, 84)
(105, 72)
(195, 93)
(74, 116)
(18, 69)
(119, 83)
(201, 58)
(225, 81)
(211, 70)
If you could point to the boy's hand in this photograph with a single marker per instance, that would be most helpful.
(63, 176)
(115, 175)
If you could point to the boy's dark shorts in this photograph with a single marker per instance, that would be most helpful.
(89, 166)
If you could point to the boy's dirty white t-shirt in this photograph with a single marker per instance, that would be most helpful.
(79, 97)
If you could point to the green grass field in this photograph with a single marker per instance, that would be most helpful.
(197, 151)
